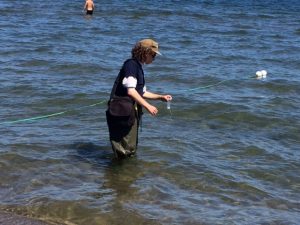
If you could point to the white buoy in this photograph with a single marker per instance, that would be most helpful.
(264, 73)
(259, 74)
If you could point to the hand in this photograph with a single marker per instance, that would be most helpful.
(166, 98)
(152, 110)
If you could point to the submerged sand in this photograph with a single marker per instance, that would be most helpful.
(12, 219)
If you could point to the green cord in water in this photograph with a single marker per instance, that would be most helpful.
(49, 115)
(203, 87)
(98, 103)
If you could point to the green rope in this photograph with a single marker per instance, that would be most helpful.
(48, 115)
(98, 103)
(207, 86)
(211, 85)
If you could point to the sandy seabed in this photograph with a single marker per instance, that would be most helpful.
(12, 219)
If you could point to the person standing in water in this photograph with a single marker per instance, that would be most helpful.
(130, 85)
(89, 7)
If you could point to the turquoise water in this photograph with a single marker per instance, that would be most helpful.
(226, 153)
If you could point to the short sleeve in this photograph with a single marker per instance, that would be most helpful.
(129, 82)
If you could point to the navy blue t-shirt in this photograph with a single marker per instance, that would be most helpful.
(131, 68)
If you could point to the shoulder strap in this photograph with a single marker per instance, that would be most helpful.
(117, 81)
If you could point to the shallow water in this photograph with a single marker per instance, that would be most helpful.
(226, 153)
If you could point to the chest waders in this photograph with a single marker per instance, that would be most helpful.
(123, 139)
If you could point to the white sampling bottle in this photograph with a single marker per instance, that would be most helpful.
(168, 104)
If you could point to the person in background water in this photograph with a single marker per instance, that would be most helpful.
(131, 82)
(89, 7)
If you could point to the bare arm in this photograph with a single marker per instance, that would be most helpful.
(139, 99)
(150, 95)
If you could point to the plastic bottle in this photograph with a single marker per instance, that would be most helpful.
(168, 104)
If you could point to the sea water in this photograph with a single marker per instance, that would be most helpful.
(230, 153)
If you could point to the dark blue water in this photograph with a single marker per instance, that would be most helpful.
(226, 153)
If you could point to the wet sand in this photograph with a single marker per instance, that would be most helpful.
(12, 219)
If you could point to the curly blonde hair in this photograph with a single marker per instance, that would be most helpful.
(140, 53)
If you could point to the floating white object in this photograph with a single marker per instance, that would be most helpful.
(264, 73)
(259, 74)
